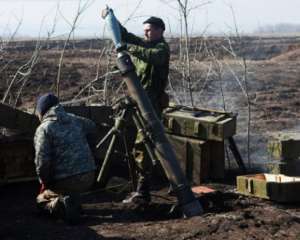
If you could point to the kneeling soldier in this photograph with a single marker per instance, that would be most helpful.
(64, 161)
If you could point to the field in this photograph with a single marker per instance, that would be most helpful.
(273, 88)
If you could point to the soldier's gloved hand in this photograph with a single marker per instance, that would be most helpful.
(133, 50)
(130, 48)
(105, 12)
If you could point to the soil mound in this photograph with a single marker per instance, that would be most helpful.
(293, 55)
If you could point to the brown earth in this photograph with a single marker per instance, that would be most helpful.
(227, 216)
(292, 55)
(274, 90)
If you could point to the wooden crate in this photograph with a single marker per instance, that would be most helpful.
(275, 187)
(200, 160)
(199, 123)
(16, 161)
(285, 146)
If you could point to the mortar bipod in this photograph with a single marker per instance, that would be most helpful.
(127, 109)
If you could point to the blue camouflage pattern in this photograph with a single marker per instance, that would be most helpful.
(61, 145)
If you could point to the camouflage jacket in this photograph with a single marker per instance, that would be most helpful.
(151, 60)
(61, 146)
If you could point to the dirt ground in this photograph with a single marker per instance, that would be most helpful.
(274, 90)
(227, 216)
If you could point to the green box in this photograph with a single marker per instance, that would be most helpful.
(193, 156)
(17, 152)
(13, 118)
(287, 168)
(285, 146)
(203, 124)
(276, 187)
(16, 160)
(217, 160)
(199, 160)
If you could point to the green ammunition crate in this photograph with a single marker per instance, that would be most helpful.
(276, 187)
(216, 159)
(27, 123)
(199, 123)
(17, 152)
(288, 168)
(200, 160)
(16, 160)
(285, 146)
(13, 118)
(193, 157)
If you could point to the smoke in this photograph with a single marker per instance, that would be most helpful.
(227, 92)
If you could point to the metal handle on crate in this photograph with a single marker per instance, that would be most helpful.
(171, 123)
(250, 185)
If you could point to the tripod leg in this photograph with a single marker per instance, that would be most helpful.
(103, 174)
(103, 140)
(236, 154)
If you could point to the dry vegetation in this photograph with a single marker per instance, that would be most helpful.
(217, 81)
(217, 77)
(256, 77)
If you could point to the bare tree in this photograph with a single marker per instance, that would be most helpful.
(108, 86)
(3, 49)
(243, 83)
(5, 42)
(185, 7)
(73, 25)
(23, 73)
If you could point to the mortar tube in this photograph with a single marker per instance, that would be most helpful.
(165, 153)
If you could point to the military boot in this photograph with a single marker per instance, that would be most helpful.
(142, 193)
(72, 208)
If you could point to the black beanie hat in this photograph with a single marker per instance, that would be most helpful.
(158, 22)
(45, 102)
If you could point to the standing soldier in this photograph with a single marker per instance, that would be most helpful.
(150, 56)
(63, 158)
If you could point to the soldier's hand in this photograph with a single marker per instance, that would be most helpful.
(105, 12)
(132, 49)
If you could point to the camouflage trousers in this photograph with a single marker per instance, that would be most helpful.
(50, 201)
(143, 166)
(143, 162)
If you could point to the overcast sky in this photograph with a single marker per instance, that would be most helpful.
(217, 16)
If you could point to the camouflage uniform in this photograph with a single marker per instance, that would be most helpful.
(151, 60)
(63, 158)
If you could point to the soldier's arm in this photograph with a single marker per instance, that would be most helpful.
(89, 129)
(88, 125)
(42, 156)
(130, 38)
(156, 56)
